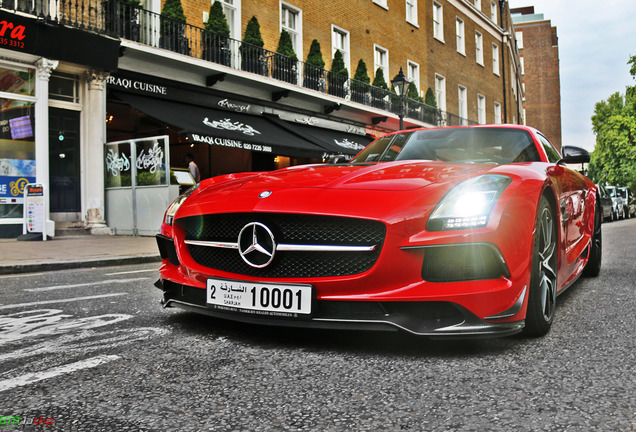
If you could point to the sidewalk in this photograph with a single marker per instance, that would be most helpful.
(75, 251)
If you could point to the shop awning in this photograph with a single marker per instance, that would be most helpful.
(337, 142)
(226, 128)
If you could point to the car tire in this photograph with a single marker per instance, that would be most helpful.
(593, 266)
(626, 213)
(543, 275)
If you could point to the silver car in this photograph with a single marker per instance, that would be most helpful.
(617, 202)
(627, 197)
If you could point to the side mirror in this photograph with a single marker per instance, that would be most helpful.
(573, 155)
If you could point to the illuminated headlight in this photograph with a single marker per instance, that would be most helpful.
(172, 209)
(468, 205)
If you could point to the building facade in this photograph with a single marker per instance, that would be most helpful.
(171, 87)
(539, 54)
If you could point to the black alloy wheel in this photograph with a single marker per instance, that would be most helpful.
(543, 277)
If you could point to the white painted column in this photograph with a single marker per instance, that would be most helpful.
(44, 69)
(94, 152)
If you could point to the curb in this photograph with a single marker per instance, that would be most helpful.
(64, 265)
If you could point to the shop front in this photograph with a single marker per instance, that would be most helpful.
(51, 118)
(223, 134)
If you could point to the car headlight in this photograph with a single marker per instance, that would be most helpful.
(468, 205)
(172, 209)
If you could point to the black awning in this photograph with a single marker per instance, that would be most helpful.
(226, 128)
(336, 142)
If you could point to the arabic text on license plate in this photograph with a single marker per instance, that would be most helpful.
(260, 298)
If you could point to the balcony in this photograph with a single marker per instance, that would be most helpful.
(121, 20)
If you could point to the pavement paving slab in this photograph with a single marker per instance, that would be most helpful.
(75, 252)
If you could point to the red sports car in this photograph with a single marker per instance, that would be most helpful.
(459, 231)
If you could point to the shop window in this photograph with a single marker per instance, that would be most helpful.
(118, 165)
(64, 87)
(17, 140)
(17, 81)
(151, 163)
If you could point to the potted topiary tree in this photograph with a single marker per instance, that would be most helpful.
(173, 22)
(216, 45)
(431, 113)
(360, 84)
(314, 68)
(252, 52)
(338, 76)
(285, 59)
(380, 92)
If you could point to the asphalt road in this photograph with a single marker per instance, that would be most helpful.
(91, 350)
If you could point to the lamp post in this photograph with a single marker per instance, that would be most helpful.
(401, 86)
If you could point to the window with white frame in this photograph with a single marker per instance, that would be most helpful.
(495, 59)
(497, 113)
(291, 22)
(462, 105)
(479, 48)
(438, 21)
(381, 60)
(493, 11)
(411, 12)
(382, 3)
(413, 73)
(340, 42)
(481, 109)
(459, 32)
(232, 12)
(440, 92)
(477, 4)
(519, 37)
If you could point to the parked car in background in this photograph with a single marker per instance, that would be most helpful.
(606, 203)
(629, 203)
(617, 202)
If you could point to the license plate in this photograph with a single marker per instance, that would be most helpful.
(280, 300)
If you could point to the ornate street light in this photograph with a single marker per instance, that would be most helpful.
(401, 86)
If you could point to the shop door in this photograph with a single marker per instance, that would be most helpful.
(64, 161)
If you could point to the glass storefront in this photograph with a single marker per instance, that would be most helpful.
(17, 139)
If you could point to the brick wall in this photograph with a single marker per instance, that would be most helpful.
(542, 83)
(369, 24)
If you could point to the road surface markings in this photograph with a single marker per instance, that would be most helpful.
(104, 282)
(131, 272)
(45, 302)
(33, 377)
(20, 275)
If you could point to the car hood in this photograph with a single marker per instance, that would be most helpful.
(390, 176)
(365, 190)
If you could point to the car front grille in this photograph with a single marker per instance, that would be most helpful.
(287, 229)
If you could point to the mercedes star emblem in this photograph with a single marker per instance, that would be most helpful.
(256, 245)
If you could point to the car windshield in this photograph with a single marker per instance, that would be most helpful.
(623, 193)
(462, 145)
(612, 192)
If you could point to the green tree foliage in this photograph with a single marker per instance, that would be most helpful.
(429, 98)
(614, 123)
(361, 72)
(253, 33)
(314, 57)
(173, 9)
(217, 21)
(379, 80)
(285, 45)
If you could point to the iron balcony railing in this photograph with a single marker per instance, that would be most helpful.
(121, 19)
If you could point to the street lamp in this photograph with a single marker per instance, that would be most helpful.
(401, 86)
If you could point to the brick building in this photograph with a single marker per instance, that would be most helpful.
(539, 54)
(177, 88)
